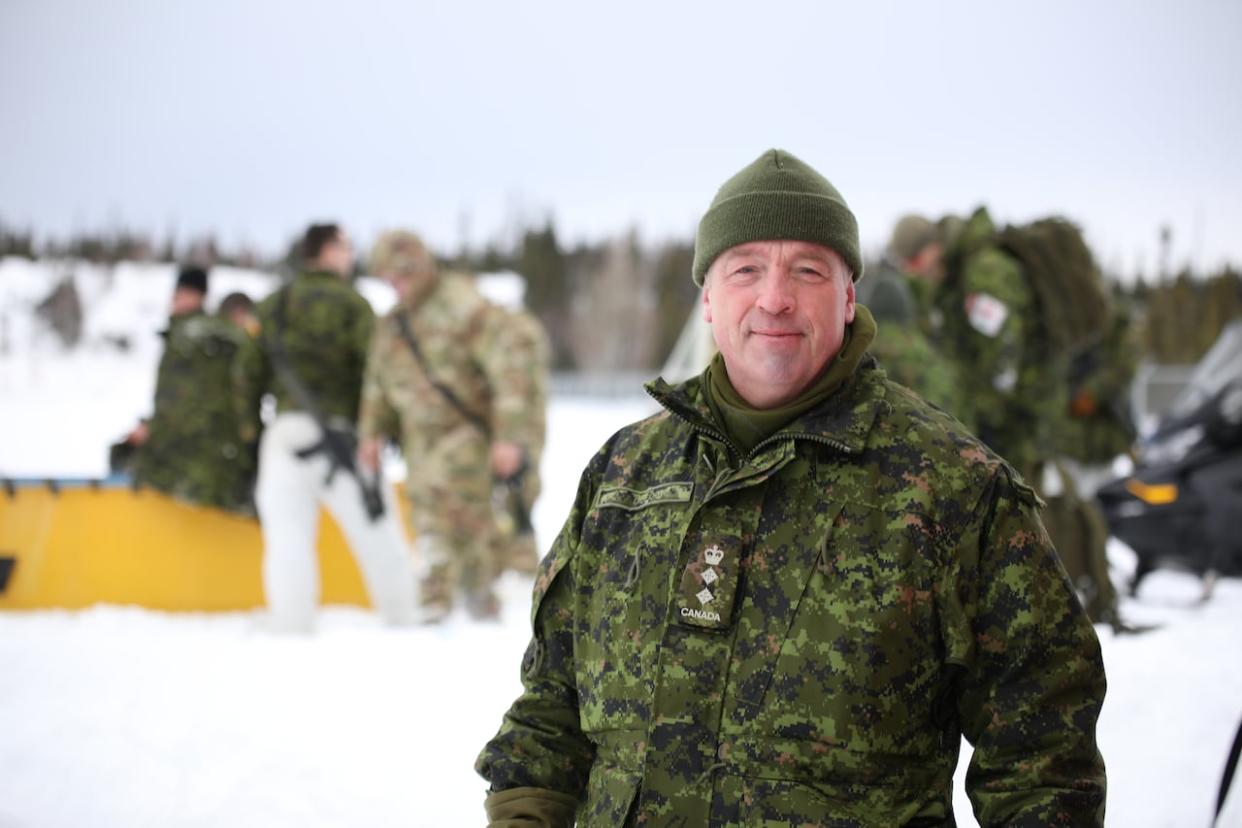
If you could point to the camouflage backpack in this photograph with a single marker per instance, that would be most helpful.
(1074, 306)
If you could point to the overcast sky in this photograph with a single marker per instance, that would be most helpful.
(463, 119)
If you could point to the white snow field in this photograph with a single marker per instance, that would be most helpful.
(117, 716)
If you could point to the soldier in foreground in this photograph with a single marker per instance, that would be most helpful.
(786, 598)
(309, 353)
(190, 447)
(439, 381)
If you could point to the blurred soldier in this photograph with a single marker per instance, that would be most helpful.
(238, 308)
(526, 358)
(190, 447)
(309, 354)
(999, 301)
(989, 324)
(903, 349)
(440, 380)
(916, 250)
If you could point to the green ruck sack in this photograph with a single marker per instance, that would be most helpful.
(1073, 301)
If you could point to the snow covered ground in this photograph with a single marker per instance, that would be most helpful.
(117, 716)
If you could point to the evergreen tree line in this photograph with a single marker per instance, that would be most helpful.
(619, 304)
(616, 305)
(1180, 319)
(124, 245)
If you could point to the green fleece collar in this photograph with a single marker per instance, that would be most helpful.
(842, 417)
(748, 426)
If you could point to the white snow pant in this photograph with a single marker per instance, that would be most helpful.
(288, 494)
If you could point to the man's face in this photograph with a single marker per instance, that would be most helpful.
(185, 300)
(927, 263)
(406, 284)
(337, 256)
(243, 318)
(778, 311)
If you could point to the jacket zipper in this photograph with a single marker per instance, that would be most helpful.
(702, 429)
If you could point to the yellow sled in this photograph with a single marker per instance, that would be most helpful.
(71, 544)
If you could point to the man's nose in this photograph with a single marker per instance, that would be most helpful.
(775, 292)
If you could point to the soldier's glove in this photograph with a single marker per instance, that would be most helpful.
(530, 808)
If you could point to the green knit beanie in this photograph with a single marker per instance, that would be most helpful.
(777, 198)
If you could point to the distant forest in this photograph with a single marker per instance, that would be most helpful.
(619, 305)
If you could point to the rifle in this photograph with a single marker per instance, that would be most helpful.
(337, 441)
(518, 509)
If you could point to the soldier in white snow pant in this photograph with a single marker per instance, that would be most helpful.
(288, 494)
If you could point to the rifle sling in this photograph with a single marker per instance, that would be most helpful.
(407, 333)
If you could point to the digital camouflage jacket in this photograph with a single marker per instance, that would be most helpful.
(802, 636)
(194, 451)
(326, 329)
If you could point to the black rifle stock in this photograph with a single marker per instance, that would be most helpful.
(518, 508)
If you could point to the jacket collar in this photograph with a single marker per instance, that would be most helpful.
(321, 276)
(180, 319)
(844, 419)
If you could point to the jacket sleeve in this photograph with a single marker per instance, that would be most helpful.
(529, 808)
(540, 744)
(1034, 683)
(513, 353)
(376, 415)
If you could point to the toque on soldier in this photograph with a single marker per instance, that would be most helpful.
(910, 236)
(194, 278)
(777, 198)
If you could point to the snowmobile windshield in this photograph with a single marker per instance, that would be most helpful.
(1219, 366)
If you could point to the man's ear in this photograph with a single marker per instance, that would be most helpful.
(849, 302)
(707, 299)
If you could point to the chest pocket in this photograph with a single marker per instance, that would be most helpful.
(631, 540)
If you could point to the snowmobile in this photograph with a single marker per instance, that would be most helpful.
(74, 543)
(1180, 506)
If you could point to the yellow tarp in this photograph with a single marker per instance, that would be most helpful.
(109, 544)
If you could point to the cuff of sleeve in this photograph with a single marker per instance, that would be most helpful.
(372, 428)
(530, 808)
